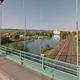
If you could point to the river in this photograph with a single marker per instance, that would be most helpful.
(35, 46)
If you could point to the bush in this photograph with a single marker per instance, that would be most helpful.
(63, 35)
(19, 46)
(46, 48)
(15, 35)
(5, 39)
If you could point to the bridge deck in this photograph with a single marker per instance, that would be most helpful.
(56, 74)
(13, 71)
(15, 56)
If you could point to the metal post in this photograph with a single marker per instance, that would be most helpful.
(24, 26)
(0, 20)
(78, 69)
(1, 1)
(78, 72)
(77, 27)
(24, 23)
(42, 55)
(21, 57)
(23, 6)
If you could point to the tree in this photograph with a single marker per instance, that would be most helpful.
(15, 35)
(5, 39)
(46, 48)
(63, 35)
(20, 46)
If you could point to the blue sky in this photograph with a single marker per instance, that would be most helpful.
(40, 14)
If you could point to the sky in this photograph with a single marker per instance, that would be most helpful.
(40, 14)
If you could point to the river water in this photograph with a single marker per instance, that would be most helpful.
(35, 46)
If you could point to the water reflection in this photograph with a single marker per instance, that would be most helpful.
(34, 46)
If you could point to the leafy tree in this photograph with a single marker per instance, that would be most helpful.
(20, 46)
(15, 35)
(5, 39)
(63, 35)
(46, 48)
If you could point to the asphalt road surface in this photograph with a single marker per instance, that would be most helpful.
(12, 71)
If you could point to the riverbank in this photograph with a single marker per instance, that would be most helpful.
(35, 45)
(47, 53)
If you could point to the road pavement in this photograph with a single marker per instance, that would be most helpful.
(12, 71)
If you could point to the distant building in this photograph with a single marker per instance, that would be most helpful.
(56, 34)
(21, 36)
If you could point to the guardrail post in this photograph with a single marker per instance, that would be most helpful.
(42, 55)
(5, 51)
(78, 72)
(21, 57)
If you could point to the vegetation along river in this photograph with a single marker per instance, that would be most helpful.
(34, 46)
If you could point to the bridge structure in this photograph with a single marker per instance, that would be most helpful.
(57, 70)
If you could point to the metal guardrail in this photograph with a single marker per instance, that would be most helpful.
(47, 62)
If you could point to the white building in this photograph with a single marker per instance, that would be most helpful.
(56, 32)
(21, 36)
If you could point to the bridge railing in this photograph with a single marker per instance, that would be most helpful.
(46, 62)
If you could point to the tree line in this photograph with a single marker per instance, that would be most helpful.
(15, 36)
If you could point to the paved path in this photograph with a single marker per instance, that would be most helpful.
(4, 76)
(12, 71)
